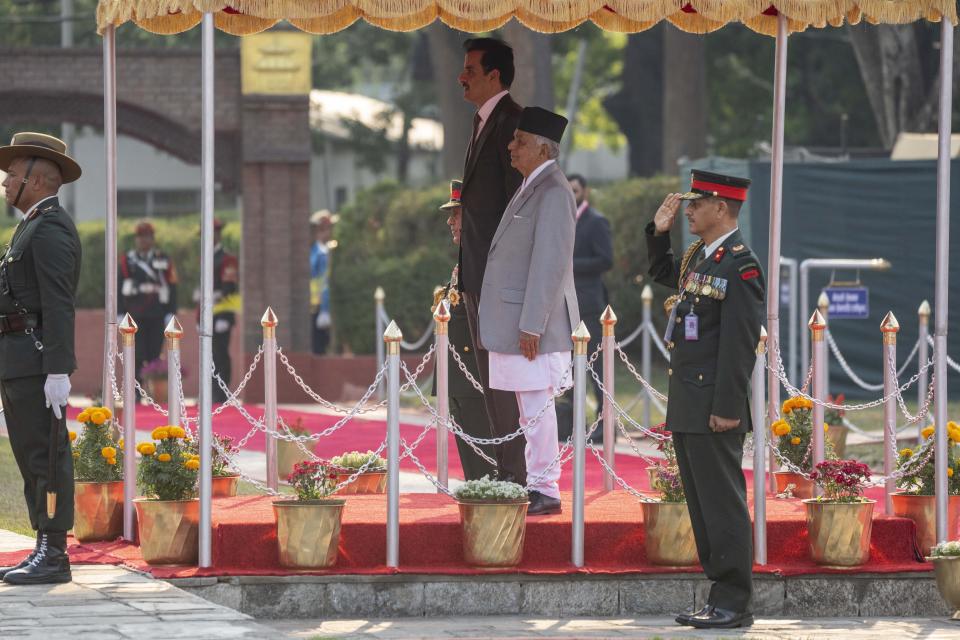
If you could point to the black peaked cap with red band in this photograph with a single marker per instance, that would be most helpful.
(706, 184)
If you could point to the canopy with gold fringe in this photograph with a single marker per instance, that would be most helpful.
(242, 17)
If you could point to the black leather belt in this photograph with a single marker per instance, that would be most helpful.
(19, 322)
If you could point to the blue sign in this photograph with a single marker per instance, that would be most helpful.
(848, 303)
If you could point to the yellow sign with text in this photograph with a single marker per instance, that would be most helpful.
(276, 63)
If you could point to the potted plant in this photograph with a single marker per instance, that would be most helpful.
(840, 521)
(836, 429)
(98, 475)
(308, 527)
(168, 516)
(946, 566)
(793, 434)
(225, 477)
(668, 532)
(373, 472)
(916, 500)
(154, 375)
(289, 454)
(493, 517)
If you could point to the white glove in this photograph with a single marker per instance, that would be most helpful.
(221, 325)
(323, 320)
(56, 389)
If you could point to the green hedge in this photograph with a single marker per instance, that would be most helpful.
(179, 237)
(396, 238)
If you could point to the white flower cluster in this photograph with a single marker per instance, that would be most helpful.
(355, 460)
(951, 548)
(488, 489)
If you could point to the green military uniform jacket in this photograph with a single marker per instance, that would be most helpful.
(459, 332)
(711, 375)
(42, 270)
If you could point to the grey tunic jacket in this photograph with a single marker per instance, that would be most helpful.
(528, 283)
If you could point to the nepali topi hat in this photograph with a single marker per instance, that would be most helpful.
(706, 184)
(540, 122)
(39, 145)
(456, 188)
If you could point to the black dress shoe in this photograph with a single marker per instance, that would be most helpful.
(5, 570)
(50, 564)
(541, 505)
(684, 618)
(717, 618)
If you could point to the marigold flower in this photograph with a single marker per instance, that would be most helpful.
(160, 433)
(146, 448)
(953, 431)
(73, 435)
(164, 457)
(106, 412)
(927, 431)
(120, 443)
(780, 428)
(795, 440)
(192, 464)
(108, 452)
(76, 454)
(906, 453)
(97, 417)
(826, 427)
(949, 472)
(175, 432)
(83, 416)
(111, 461)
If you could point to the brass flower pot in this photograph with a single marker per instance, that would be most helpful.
(308, 532)
(288, 455)
(493, 532)
(803, 487)
(369, 482)
(99, 510)
(225, 486)
(839, 533)
(923, 511)
(947, 570)
(837, 435)
(169, 530)
(669, 534)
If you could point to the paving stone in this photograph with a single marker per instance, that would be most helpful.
(902, 597)
(472, 598)
(571, 598)
(282, 600)
(655, 597)
(821, 597)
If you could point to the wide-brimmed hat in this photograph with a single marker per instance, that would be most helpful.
(456, 188)
(39, 145)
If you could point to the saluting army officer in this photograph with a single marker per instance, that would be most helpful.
(38, 283)
(713, 330)
(466, 403)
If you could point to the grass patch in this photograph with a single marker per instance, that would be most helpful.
(13, 511)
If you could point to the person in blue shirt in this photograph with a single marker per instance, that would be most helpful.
(321, 223)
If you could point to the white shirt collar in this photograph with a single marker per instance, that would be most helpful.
(713, 246)
(534, 174)
(34, 207)
(488, 108)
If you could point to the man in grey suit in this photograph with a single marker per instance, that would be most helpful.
(528, 304)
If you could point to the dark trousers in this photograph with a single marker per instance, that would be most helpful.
(716, 491)
(221, 361)
(148, 341)
(320, 337)
(471, 414)
(28, 423)
(502, 409)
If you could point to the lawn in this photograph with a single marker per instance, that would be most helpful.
(13, 512)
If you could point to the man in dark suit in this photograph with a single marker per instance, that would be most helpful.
(489, 181)
(39, 273)
(712, 332)
(592, 257)
(466, 402)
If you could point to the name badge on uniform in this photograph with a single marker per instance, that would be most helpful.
(691, 327)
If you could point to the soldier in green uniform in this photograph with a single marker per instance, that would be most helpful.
(712, 332)
(466, 403)
(38, 283)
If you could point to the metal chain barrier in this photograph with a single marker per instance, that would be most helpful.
(950, 361)
(658, 342)
(409, 346)
(633, 336)
(620, 481)
(463, 367)
(636, 374)
(857, 380)
(923, 411)
(620, 410)
(322, 401)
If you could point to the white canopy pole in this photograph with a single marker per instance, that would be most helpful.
(110, 228)
(942, 276)
(206, 293)
(776, 200)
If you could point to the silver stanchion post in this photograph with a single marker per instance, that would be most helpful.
(173, 332)
(441, 365)
(889, 327)
(818, 326)
(581, 338)
(609, 341)
(647, 298)
(758, 409)
(923, 355)
(391, 338)
(269, 323)
(823, 304)
(128, 336)
(378, 312)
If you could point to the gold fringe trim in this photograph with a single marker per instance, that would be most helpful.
(538, 23)
(610, 21)
(324, 25)
(408, 22)
(725, 11)
(395, 9)
(241, 24)
(468, 25)
(479, 12)
(693, 22)
(170, 24)
(767, 25)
